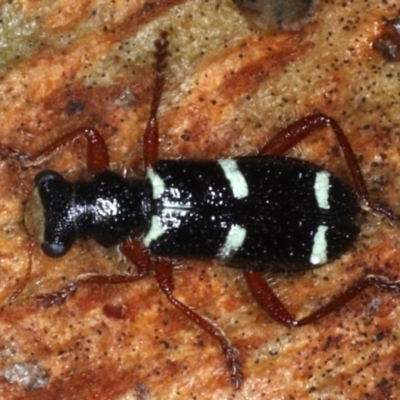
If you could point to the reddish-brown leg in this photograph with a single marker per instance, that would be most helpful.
(97, 153)
(97, 160)
(27, 276)
(150, 136)
(131, 248)
(134, 250)
(163, 268)
(269, 301)
(15, 157)
(164, 278)
(299, 130)
(277, 145)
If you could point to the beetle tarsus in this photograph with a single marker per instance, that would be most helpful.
(57, 298)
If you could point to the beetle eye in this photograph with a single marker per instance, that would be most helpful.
(55, 249)
(45, 176)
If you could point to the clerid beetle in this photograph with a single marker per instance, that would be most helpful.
(260, 213)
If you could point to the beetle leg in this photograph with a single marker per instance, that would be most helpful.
(16, 157)
(97, 153)
(97, 160)
(269, 301)
(57, 298)
(299, 130)
(131, 248)
(150, 136)
(165, 280)
(21, 286)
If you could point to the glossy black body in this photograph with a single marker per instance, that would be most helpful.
(108, 209)
(192, 211)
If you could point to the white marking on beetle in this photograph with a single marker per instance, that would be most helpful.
(235, 177)
(156, 230)
(174, 208)
(156, 182)
(106, 207)
(233, 241)
(319, 249)
(173, 217)
(321, 189)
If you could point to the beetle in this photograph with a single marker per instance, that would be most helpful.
(261, 213)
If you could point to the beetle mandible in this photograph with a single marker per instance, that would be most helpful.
(260, 213)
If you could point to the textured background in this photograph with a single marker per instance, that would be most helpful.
(65, 64)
